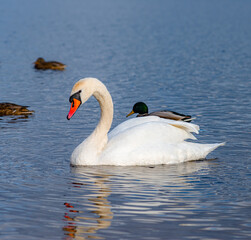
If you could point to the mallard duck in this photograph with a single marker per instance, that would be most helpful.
(8, 109)
(43, 65)
(138, 141)
(142, 110)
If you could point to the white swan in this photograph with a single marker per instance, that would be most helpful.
(139, 141)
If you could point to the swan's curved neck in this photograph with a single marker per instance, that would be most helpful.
(106, 105)
(99, 135)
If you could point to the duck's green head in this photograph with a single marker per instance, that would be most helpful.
(140, 108)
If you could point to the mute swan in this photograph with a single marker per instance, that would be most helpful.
(53, 65)
(142, 109)
(138, 141)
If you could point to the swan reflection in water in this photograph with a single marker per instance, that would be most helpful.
(148, 193)
(80, 225)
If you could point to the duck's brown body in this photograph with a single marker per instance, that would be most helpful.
(53, 65)
(8, 109)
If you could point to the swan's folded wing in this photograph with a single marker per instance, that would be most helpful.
(155, 132)
(129, 124)
(187, 127)
(190, 127)
(153, 141)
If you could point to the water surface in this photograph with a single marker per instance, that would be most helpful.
(192, 57)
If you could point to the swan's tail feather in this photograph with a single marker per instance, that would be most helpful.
(221, 144)
(197, 151)
(211, 147)
(215, 145)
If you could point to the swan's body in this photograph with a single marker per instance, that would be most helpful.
(139, 141)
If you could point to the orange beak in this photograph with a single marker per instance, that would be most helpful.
(131, 113)
(74, 107)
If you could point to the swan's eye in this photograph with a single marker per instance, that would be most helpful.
(76, 96)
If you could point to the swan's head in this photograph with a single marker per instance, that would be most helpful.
(80, 93)
(140, 108)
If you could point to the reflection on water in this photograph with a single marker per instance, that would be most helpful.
(190, 56)
(15, 119)
(80, 226)
(178, 199)
(141, 192)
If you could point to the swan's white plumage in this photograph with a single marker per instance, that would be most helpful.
(188, 127)
(139, 141)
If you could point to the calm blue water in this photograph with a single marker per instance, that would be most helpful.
(192, 57)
